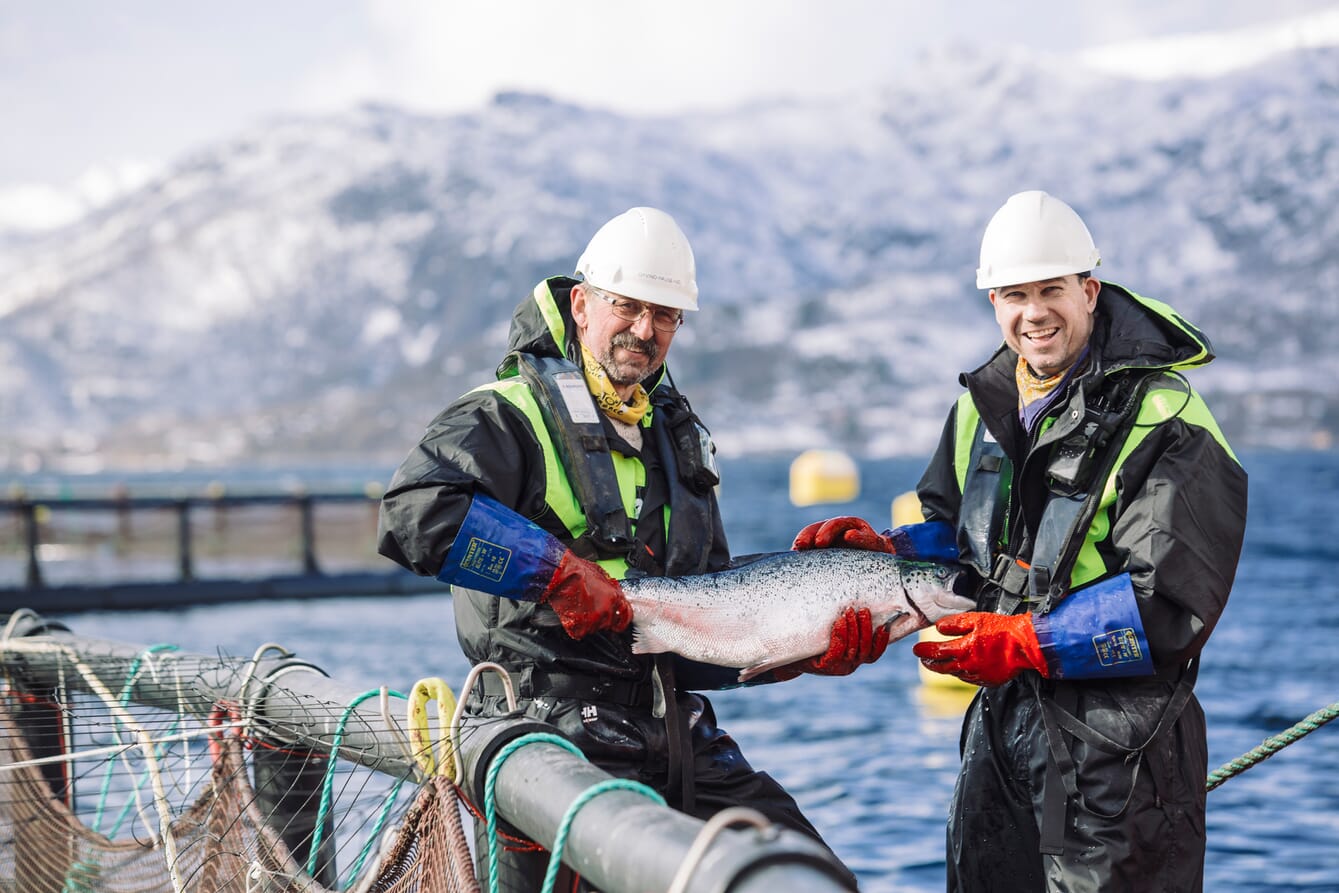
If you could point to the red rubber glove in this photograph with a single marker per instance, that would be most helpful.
(585, 598)
(842, 533)
(855, 641)
(993, 648)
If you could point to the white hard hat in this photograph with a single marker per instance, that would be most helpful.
(642, 254)
(1034, 236)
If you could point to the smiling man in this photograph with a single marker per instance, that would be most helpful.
(1085, 483)
(533, 495)
(1094, 495)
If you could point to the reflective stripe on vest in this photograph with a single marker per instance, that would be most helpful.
(984, 475)
(1169, 398)
(558, 491)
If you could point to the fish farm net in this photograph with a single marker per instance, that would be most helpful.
(101, 793)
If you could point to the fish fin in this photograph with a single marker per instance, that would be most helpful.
(645, 642)
(758, 669)
(903, 625)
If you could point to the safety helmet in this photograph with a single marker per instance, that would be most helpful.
(642, 254)
(1034, 236)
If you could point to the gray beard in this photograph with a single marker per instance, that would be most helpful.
(623, 373)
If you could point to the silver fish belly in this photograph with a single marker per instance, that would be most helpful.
(780, 607)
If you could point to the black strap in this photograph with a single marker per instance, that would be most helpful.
(573, 423)
(570, 686)
(1054, 803)
(681, 774)
(692, 520)
(1076, 475)
(1079, 467)
(1010, 579)
(1057, 711)
(984, 498)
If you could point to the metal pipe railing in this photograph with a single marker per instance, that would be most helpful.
(28, 511)
(622, 840)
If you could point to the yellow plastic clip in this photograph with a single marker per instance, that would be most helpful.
(420, 740)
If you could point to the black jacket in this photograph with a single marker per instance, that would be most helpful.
(1114, 799)
(1179, 510)
(484, 443)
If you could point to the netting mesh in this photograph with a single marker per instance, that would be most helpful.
(162, 808)
(430, 853)
(222, 844)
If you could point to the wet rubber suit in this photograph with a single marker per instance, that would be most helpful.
(1093, 779)
(492, 442)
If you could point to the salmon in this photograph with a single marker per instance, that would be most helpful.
(779, 607)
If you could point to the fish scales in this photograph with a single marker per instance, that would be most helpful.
(780, 607)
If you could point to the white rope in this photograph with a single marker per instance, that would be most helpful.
(248, 708)
(145, 743)
(117, 749)
(182, 711)
(20, 614)
(465, 691)
(66, 725)
(261, 877)
(401, 740)
(735, 815)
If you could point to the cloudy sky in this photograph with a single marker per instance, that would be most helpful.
(97, 92)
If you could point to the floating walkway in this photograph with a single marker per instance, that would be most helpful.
(122, 552)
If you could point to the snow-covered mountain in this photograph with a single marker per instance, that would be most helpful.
(318, 288)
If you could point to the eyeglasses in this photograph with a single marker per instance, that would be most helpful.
(663, 319)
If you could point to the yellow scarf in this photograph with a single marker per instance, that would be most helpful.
(1037, 393)
(1032, 387)
(612, 405)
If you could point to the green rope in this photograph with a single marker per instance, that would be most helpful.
(382, 815)
(123, 700)
(490, 784)
(159, 752)
(327, 786)
(81, 877)
(609, 784)
(560, 840)
(1271, 746)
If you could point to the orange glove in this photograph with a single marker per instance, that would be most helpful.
(842, 533)
(585, 598)
(854, 642)
(993, 648)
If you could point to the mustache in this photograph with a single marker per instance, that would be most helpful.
(629, 341)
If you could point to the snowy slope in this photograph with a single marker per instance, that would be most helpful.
(320, 287)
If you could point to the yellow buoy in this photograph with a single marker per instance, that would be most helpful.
(819, 476)
(907, 510)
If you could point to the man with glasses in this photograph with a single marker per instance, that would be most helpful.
(534, 494)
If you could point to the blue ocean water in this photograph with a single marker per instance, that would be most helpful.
(872, 757)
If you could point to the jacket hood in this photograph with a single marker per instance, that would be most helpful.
(542, 323)
(542, 326)
(1132, 331)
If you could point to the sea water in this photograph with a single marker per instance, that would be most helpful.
(872, 757)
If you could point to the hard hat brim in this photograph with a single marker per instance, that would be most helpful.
(648, 291)
(1025, 274)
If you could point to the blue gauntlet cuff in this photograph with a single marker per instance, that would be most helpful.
(1095, 633)
(927, 541)
(499, 552)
